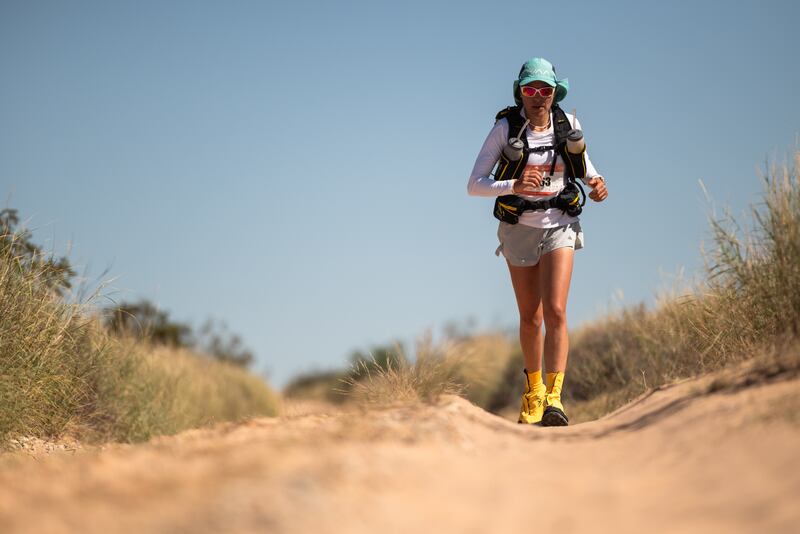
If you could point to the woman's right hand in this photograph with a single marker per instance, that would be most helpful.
(530, 181)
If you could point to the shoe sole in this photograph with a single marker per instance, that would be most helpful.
(554, 417)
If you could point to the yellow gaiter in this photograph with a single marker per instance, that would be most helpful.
(553, 391)
(533, 399)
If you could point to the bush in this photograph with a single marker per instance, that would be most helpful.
(145, 321)
(53, 273)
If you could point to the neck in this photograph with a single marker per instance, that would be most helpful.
(539, 117)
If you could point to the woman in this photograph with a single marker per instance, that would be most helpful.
(539, 248)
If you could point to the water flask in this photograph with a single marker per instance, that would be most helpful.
(575, 143)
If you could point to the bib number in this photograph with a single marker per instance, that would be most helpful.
(550, 185)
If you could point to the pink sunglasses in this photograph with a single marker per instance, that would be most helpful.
(527, 90)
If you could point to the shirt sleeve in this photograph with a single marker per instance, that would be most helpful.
(591, 172)
(480, 182)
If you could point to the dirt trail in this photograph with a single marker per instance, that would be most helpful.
(676, 460)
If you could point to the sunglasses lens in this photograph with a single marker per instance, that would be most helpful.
(531, 91)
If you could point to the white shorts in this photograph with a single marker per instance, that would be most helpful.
(523, 245)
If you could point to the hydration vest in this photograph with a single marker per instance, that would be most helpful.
(508, 208)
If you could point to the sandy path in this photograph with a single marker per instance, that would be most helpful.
(677, 460)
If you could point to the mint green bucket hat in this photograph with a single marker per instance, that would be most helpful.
(541, 70)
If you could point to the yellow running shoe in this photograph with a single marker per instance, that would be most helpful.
(553, 410)
(532, 407)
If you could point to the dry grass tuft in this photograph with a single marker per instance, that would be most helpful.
(433, 373)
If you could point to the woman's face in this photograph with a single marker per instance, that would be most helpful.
(538, 103)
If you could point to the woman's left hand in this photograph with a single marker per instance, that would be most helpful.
(599, 191)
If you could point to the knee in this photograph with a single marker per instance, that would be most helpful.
(555, 315)
(531, 319)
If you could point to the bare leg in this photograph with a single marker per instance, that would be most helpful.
(555, 277)
(529, 302)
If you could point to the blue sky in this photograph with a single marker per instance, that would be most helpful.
(299, 170)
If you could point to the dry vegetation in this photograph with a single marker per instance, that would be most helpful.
(472, 368)
(62, 373)
(748, 307)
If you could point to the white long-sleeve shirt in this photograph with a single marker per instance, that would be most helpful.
(481, 183)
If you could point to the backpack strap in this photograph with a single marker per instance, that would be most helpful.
(511, 170)
(561, 128)
(515, 122)
(561, 125)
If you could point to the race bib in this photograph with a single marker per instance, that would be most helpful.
(550, 184)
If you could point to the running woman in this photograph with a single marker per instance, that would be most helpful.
(538, 249)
